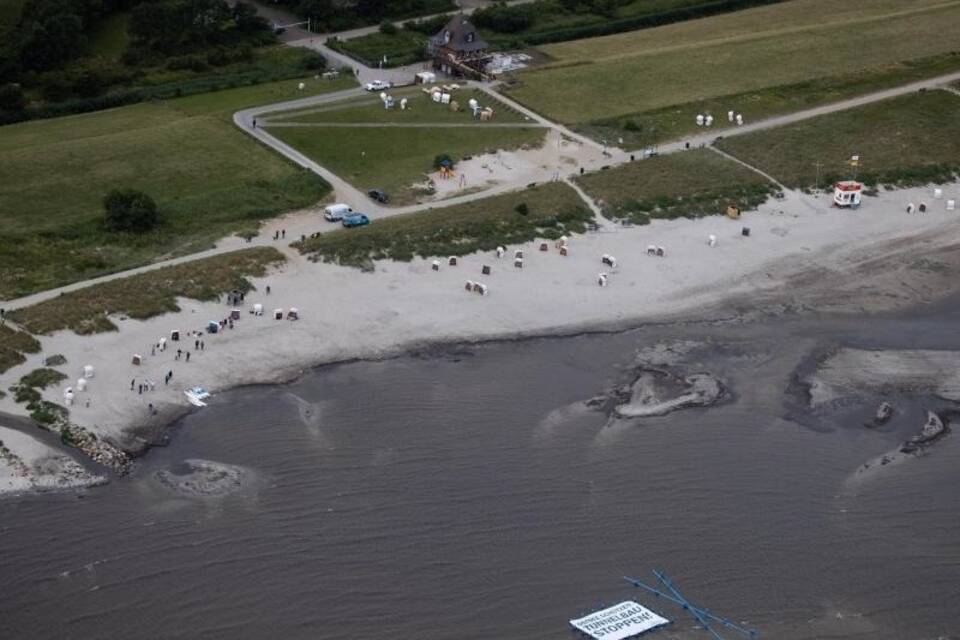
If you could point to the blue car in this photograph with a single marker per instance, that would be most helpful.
(355, 220)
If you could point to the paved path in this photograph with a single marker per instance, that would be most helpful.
(348, 193)
(273, 124)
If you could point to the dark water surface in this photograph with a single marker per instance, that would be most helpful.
(465, 494)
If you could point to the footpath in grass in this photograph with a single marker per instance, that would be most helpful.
(688, 184)
(742, 52)
(208, 178)
(398, 159)
(645, 129)
(546, 211)
(149, 294)
(907, 141)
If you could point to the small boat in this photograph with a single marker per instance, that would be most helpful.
(196, 396)
(884, 412)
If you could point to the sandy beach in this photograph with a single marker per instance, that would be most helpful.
(26, 464)
(800, 254)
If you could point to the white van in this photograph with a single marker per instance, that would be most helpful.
(335, 212)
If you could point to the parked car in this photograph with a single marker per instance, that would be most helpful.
(377, 85)
(335, 212)
(355, 220)
(379, 195)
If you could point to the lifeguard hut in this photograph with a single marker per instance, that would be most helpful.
(847, 194)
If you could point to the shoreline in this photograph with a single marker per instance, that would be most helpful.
(801, 257)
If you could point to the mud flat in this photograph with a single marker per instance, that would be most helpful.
(26, 464)
(650, 394)
(204, 478)
(854, 372)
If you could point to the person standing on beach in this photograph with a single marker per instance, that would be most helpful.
(268, 289)
(201, 345)
(196, 345)
(132, 382)
(188, 356)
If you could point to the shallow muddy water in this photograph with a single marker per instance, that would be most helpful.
(468, 493)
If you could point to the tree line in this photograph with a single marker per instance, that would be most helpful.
(48, 47)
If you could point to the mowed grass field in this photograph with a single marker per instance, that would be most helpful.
(911, 140)
(687, 184)
(746, 51)
(208, 178)
(420, 109)
(395, 159)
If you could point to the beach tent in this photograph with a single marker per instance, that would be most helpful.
(137, 359)
(258, 309)
(293, 314)
(88, 371)
(213, 326)
(278, 314)
(175, 335)
(234, 314)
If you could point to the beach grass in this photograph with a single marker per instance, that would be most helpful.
(146, 295)
(689, 184)
(420, 110)
(208, 178)
(545, 211)
(13, 344)
(907, 141)
(397, 159)
(731, 54)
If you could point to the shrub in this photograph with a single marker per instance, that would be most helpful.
(631, 125)
(522, 208)
(503, 18)
(12, 98)
(130, 210)
(443, 158)
(388, 28)
(314, 62)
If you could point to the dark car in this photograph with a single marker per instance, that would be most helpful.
(378, 195)
(355, 220)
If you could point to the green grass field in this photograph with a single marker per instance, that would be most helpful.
(420, 109)
(208, 178)
(552, 210)
(673, 123)
(689, 184)
(737, 53)
(396, 158)
(148, 294)
(911, 140)
(402, 48)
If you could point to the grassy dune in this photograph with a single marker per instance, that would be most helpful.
(147, 294)
(208, 178)
(911, 140)
(689, 184)
(552, 210)
(741, 52)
